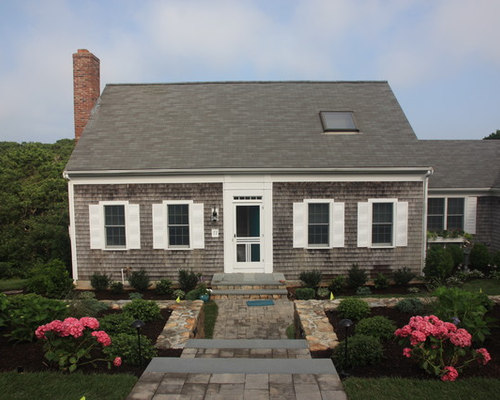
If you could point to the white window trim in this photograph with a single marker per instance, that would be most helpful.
(163, 242)
(336, 226)
(98, 227)
(399, 227)
(470, 210)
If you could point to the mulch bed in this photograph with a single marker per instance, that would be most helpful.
(146, 295)
(29, 356)
(395, 365)
(391, 290)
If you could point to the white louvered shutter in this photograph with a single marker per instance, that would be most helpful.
(197, 226)
(159, 226)
(364, 224)
(299, 225)
(96, 223)
(402, 223)
(470, 215)
(133, 222)
(337, 225)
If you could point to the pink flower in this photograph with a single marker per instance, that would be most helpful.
(461, 338)
(102, 337)
(90, 322)
(407, 352)
(485, 357)
(117, 361)
(71, 326)
(417, 337)
(450, 375)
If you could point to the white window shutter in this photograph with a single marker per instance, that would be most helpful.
(470, 215)
(299, 225)
(337, 225)
(197, 226)
(159, 226)
(401, 223)
(133, 222)
(364, 224)
(96, 223)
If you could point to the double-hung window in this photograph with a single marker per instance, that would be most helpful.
(382, 223)
(178, 225)
(114, 225)
(318, 224)
(451, 214)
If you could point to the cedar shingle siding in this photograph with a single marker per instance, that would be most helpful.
(488, 221)
(291, 261)
(158, 263)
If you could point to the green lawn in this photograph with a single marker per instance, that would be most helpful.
(402, 389)
(12, 284)
(211, 310)
(488, 286)
(58, 386)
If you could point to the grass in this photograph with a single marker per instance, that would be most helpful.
(399, 389)
(211, 310)
(290, 331)
(12, 284)
(58, 386)
(488, 286)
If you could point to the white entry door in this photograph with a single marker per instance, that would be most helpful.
(248, 237)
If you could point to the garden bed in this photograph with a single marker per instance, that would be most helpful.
(30, 356)
(395, 365)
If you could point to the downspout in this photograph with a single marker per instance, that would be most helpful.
(424, 218)
(71, 227)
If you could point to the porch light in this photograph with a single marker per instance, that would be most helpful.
(215, 214)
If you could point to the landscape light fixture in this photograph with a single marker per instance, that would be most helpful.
(345, 324)
(138, 324)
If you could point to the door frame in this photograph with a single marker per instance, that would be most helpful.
(241, 187)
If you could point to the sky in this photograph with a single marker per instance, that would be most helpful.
(440, 57)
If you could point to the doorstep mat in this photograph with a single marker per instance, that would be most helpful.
(254, 303)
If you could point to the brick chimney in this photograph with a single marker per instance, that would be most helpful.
(86, 87)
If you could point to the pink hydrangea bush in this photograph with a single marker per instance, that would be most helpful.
(439, 347)
(69, 343)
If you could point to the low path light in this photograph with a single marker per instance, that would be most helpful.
(345, 324)
(138, 324)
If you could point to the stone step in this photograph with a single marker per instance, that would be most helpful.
(245, 344)
(247, 287)
(240, 366)
(250, 294)
(250, 279)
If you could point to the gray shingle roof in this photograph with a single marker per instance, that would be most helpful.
(232, 125)
(462, 163)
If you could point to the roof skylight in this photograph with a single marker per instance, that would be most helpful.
(338, 121)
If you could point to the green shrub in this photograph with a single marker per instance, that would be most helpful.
(337, 284)
(9, 271)
(311, 279)
(305, 293)
(480, 257)
(353, 308)
(470, 308)
(495, 259)
(145, 310)
(403, 276)
(438, 264)
(125, 346)
(84, 304)
(323, 293)
(362, 350)
(381, 281)
(457, 253)
(357, 277)
(164, 288)
(410, 305)
(179, 294)
(188, 280)
(196, 293)
(100, 281)
(379, 327)
(4, 305)
(117, 287)
(113, 324)
(363, 291)
(134, 296)
(28, 312)
(139, 280)
(50, 280)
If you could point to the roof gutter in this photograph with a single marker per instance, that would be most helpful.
(248, 171)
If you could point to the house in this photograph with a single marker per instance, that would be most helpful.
(263, 177)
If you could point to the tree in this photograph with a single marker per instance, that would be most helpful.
(33, 204)
(495, 135)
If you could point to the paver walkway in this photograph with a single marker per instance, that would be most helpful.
(241, 369)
